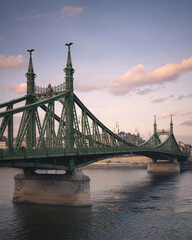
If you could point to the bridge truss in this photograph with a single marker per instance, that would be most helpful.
(59, 132)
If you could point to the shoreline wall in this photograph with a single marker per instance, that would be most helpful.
(121, 162)
(135, 162)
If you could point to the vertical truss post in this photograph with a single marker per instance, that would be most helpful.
(83, 128)
(10, 131)
(61, 128)
(43, 129)
(31, 131)
(69, 101)
(39, 127)
(24, 126)
(50, 126)
(94, 134)
(77, 138)
(171, 132)
(69, 122)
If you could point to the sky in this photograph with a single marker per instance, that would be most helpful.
(132, 58)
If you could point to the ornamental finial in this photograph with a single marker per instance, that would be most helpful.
(30, 51)
(68, 44)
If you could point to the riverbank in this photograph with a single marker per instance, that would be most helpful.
(134, 162)
(121, 162)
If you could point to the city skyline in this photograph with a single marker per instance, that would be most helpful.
(132, 59)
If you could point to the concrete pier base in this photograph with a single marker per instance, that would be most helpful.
(164, 167)
(69, 189)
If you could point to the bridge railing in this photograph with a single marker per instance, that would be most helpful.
(55, 89)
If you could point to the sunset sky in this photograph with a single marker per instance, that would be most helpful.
(132, 58)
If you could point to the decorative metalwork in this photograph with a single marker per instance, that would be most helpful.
(56, 89)
(62, 141)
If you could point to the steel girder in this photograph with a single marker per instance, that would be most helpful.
(98, 142)
(65, 141)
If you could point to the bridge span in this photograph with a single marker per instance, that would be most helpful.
(61, 133)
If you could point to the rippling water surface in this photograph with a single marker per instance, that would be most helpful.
(126, 204)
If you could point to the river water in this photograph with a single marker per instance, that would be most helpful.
(126, 204)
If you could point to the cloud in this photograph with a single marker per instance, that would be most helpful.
(12, 62)
(186, 114)
(139, 76)
(143, 91)
(184, 96)
(90, 86)
(165, 115)
(160, 100)
(19, 89)
(83, 77)
(187, 122)
(69, 11)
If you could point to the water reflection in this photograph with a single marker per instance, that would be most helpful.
(127, 204)
(132, 186)
(52, 222)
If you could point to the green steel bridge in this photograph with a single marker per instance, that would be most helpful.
(59, 132)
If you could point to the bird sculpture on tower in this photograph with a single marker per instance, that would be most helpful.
(30, 51)
(68, 44)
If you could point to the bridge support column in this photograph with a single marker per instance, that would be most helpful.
(163, 167)
(69, 189)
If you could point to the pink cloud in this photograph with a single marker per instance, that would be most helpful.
(19, 89)
(83, 77)
(187, 122)
(66, 11)
(160, 100)
(186, 114)
(69, 11)
(139, 76)
(164, 115)
(12, 62)
(184, 96)
(144, 91)
(90, 86)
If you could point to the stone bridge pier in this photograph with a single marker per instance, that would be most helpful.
(69, 189)
(164, 166)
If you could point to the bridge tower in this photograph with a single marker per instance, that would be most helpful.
(69, 101)
(171, 125)
(30, 75)
(31, 127)
(155, 125)
(155, 131)
(69, 189)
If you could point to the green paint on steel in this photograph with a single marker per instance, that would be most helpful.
(77, 140)
(69, 100)
(30, 75)
(171, 125)
(29, 116)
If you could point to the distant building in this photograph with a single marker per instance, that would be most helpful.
(186, 148)
(133, 138)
